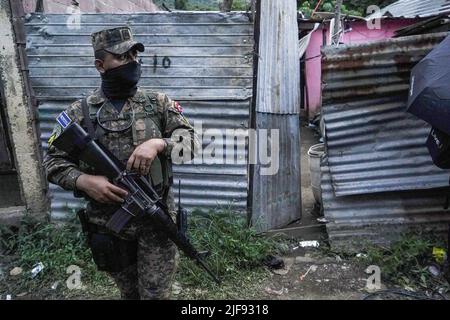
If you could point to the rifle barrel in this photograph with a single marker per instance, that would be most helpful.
(213, 276)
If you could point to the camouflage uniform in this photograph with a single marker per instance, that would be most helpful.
(153, 115)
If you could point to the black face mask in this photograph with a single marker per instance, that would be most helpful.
(121, 82)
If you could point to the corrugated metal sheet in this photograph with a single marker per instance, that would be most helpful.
(277, 197)
(381, 218)
(210, 54)
(413, 9)
(279, 63)
(210, 74)
(431, 25)
(373, 144)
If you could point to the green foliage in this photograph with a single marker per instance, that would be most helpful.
(180, 4)
(241, 5)
(56, 247)
(8, 239)
(236, 256)
(349, 7)
(202, 5)
(406, 261)
(328, 7)
(234, 247)
(306, 8)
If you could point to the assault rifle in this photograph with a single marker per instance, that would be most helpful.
(142, 199)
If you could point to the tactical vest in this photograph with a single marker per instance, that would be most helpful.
(147, 124)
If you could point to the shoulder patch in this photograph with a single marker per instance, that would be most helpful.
(55, 134)
(177, 112)
(63, 120)
(177, 106)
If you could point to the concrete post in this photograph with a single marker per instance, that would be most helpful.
(21, 117)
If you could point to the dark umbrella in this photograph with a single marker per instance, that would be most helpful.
(429, 96)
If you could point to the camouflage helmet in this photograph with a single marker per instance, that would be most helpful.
(116, 40)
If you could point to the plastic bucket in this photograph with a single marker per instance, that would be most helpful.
(315, 154)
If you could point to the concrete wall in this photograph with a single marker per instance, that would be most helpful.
(359, 34)
(93, 6)
(21, 119)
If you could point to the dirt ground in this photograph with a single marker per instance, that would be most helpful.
(327, 279)
(310, 276)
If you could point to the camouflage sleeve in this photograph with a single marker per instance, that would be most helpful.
(173, 120)
(60, 168)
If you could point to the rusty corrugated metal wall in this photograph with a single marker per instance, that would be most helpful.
(373, 144)
(382, 217)
(378, 178)
(210, 73)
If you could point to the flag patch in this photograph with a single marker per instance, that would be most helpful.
(64, 120)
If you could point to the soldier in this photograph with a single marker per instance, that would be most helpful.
(138, 127)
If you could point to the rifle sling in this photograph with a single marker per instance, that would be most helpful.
(87, 119)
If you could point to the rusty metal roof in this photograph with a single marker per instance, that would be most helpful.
(413, 9)
(373, 144)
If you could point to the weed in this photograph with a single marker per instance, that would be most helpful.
(405, 262)
(236, 256)
(57, 247)
(234, 247)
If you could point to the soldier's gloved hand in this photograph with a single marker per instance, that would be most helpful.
(143, 155)
(100, 189)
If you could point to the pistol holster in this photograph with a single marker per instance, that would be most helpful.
(110, 253)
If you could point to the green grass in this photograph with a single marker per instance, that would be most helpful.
(405, 262)
(236, 256)
(57, 247)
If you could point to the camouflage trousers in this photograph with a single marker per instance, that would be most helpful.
(152, 276)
